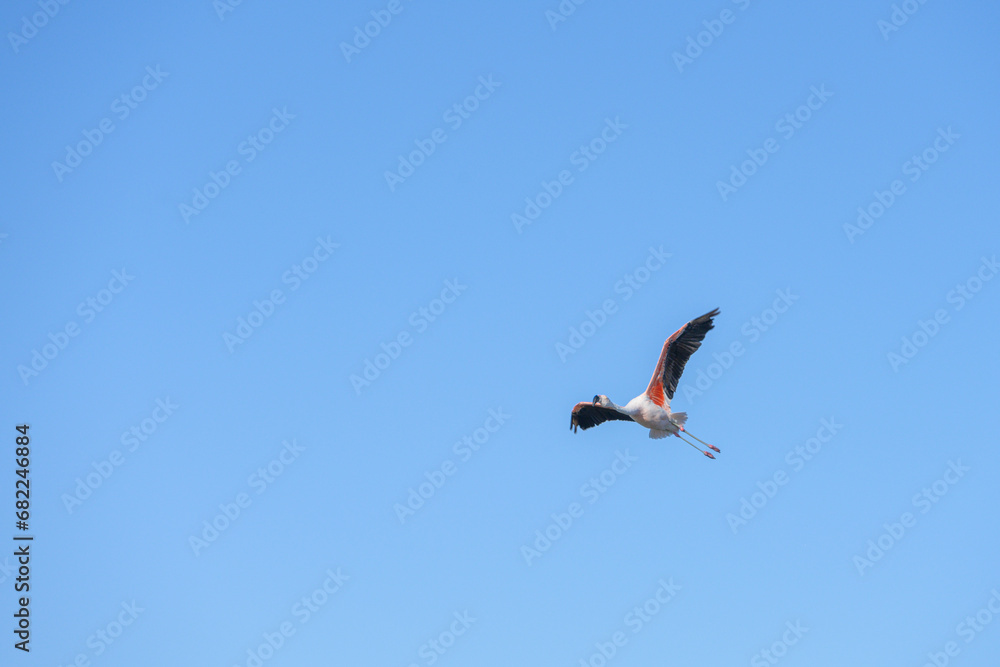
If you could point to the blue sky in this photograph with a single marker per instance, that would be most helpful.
(219, 218)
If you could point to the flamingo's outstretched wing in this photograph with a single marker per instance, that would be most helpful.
(587, 414)
(676, 351)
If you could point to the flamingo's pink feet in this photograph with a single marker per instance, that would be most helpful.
(714, 448)
(709, 454)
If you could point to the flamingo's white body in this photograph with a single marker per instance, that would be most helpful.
(652, 407)
(660, 421)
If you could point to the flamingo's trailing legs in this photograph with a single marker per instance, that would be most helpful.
(680, 427)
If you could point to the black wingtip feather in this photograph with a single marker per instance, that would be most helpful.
(687, 343)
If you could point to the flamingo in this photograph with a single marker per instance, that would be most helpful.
(652, 407)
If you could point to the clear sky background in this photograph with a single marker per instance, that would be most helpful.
(130, 256)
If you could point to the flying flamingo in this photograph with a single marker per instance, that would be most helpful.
(652, 407)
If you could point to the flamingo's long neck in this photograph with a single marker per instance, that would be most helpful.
(624, 409)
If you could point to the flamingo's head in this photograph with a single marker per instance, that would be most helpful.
(602, 400)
